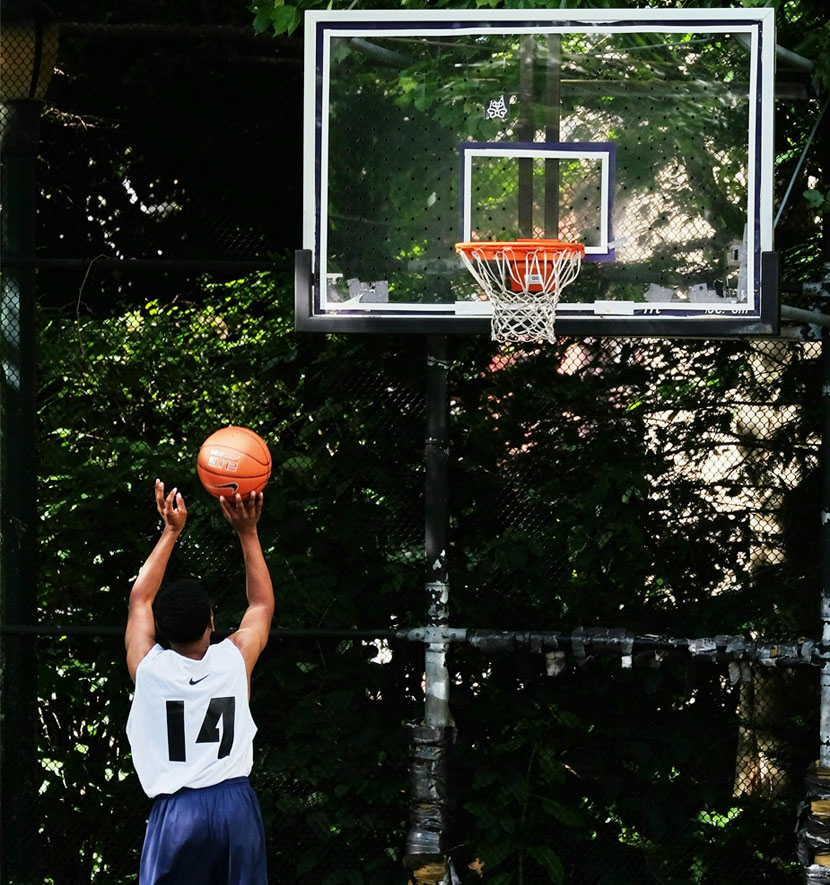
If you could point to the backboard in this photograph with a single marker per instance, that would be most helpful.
(645, 134)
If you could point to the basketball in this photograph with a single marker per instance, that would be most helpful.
(234, 459)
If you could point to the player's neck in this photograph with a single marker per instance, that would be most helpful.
(196, 650)
(193, 650)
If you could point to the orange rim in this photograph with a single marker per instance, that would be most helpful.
(492, 249)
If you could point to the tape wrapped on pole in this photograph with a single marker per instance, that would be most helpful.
(429, 805)
(813, 830)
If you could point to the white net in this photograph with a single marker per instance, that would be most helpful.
(523, 283)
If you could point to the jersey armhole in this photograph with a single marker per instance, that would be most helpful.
(154, 652)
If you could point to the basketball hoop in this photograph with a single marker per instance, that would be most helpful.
(523, 279)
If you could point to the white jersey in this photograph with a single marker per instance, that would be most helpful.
(189, 723)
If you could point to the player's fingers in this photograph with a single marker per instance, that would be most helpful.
(168, 501)
(254, 504)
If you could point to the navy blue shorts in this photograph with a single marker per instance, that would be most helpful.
(210, 836)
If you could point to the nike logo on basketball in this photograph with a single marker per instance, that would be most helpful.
(197, 681)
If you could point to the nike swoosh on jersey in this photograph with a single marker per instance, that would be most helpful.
(196, 681)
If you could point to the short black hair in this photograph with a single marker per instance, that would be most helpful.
(182, 611)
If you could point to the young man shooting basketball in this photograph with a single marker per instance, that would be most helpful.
(190, 727)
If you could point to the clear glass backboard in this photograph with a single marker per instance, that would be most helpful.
(645, 134)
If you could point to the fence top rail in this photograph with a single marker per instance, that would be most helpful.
(581, 643)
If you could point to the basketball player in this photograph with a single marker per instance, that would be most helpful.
(190, 728)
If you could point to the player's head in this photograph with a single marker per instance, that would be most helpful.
(182, 611)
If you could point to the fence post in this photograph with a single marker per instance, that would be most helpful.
(29, 48)
(429, 801)
(814, 823)
(18, 485)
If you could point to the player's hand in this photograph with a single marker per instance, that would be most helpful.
(242, 513)
(171, 508)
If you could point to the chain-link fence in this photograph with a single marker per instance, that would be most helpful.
(606, 497)
(589, 488)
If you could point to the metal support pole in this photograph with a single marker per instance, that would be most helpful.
(429, 800)
(824, 719)
(814, 818)
(18, 488)
(553, 101)
(525, 131)
(436, 529)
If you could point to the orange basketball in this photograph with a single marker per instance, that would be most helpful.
(234, 459)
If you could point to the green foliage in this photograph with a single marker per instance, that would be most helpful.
(812, 45)
(281, 17)
(590, 504)
(129, 397)
(818, 200)
(514, 800)
(569, 484)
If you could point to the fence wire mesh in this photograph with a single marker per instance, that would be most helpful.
(600, 484)
(668, 488)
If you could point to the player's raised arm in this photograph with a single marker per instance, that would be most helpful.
(140, 634)
(252, 636)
